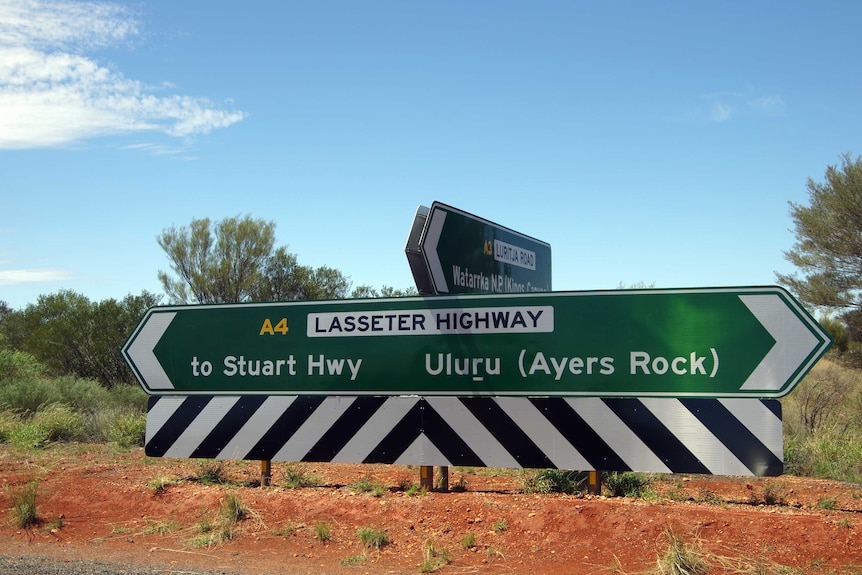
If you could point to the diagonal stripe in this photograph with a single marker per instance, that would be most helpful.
(182, 411)
(468, 428)
(512, 437)
(375, 429)
(626, 450)
(252, 432)
(696, 437)
(340, 432)
(400, 437)
(752, 432)
(445, 439)
(213, 412)
(301, 442)
(212, 445)
(562, 453)
(772, 405)
(288, 422)
(160, 408)
(656, 436)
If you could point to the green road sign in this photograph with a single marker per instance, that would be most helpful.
(453, 252)
(722, 342)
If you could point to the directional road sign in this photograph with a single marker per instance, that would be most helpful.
(453, 252)
(720, 342)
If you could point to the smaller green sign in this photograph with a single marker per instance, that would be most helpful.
(462, 253)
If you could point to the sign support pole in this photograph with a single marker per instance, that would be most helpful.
(594, 483)
(426, 477)
(265, 473)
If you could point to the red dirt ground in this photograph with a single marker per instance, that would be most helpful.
(109, 508)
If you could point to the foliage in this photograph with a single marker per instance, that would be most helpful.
(55, 422)
(323, 531)
(296, 475)
(365, 291)
(23, 501)
(433, 557)
(216, 265)
(211, 472)
(371, 537)
(626, 484)
(823, 424)
(16, 365)
(365, 485)
(553, 481)
(828, 248)
(36, 412)
(830, 395)
(682, 557)
(69, 334)
(837, 331)
(235, 260)
(231, 513)
(126, 429)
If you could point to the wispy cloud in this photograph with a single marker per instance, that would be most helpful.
(721, 107)
(13, 277)
(52, 93)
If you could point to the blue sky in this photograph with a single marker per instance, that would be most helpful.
(655, 142)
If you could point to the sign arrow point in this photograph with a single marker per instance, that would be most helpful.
(795, 341)
(140, 352)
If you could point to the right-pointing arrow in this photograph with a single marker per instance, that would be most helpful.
(139, 351)
(794, 343)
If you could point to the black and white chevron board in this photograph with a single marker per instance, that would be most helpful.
(709, 436)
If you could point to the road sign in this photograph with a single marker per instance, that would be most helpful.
(720, 342)
(661, 435)
(453, 252)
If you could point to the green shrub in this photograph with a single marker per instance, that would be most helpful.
(823, 424)
(829, 396)
(56, 422)
(211, 472)
(27, 396)
(16, 365)
(553, 481)
(323, 531)
(296, 475)
(375, 538)
(626, 484)
(365, 485)
(85, 396)
(130, 397)
(24, 505)
(827, 453)
(127, 429)
(8, 423)
(837, 331)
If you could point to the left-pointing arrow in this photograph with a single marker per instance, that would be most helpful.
(139, 351)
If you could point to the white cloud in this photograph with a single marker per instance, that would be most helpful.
(720, 112)
(52, 94)
(12, 277)
(771, 105)
(721, 107)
